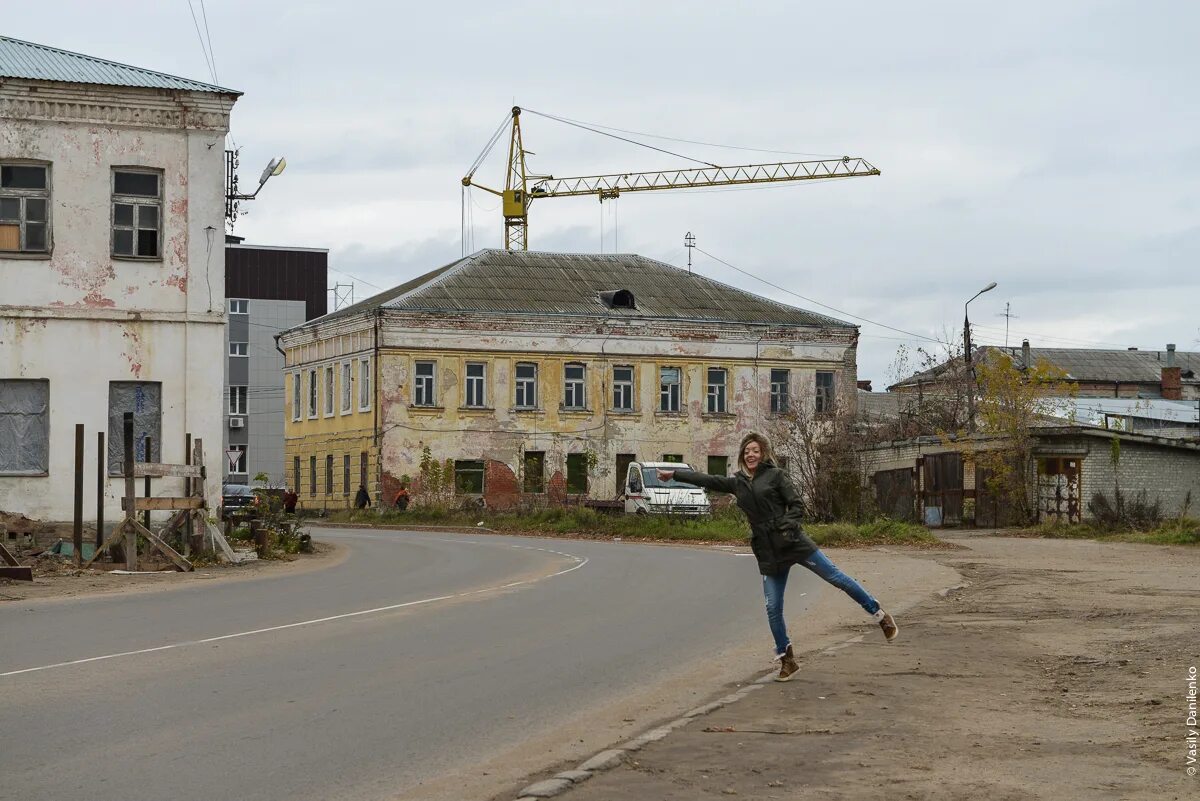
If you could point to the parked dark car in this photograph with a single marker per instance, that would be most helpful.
(236, 497)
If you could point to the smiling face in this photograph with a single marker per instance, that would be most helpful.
(752, 455)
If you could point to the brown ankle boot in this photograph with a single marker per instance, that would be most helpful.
(787, 666)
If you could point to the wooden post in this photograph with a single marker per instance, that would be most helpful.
(187, 490)
(77, 539)
(146, 516)
(131, 542)
(101, 473)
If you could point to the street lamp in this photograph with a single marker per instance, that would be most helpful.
(967, 357)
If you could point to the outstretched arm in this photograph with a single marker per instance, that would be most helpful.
(716, 483)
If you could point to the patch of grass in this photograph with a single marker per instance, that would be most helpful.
(878, 532)
(1180, 531)
(725, 525)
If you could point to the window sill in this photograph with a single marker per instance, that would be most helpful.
(718, 416)
(575, 411)
(24, 475)
(670, 414)
(415, 408)
(477, 409)
(527, 410)
(24, 256)
(143, 259)
(628, 412)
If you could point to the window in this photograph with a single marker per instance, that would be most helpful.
(825, 396)
(24, 208)
(312, 395)
(668, 395)
(237, 306)
(526, 397)
(329, 475)
(574, 394)
(718, 465)
(577, 473)
(476, 396)
(312, 475)
(716, 390)
(624, 460)
(237, 465)
(346, 474)
(533, 477)
(329, 390)
(239, 349)
(144, 400)
(362, 468)
(364, 384)
(136, 206)
(296, 396)
(675, 458)
(24, 426)
(779, 391)
(468, 477)
(295, 474)
(237, 400)
(423, 386)
(347, 388)
(623, 388)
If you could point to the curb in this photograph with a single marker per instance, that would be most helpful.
(612, 757)
(390, 527)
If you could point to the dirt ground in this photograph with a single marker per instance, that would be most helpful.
(56, 577)
(1057, 673)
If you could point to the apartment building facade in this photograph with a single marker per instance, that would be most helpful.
(539, 376)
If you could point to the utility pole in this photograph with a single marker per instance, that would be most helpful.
(967, 357)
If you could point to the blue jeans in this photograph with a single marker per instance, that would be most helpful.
(773, 587)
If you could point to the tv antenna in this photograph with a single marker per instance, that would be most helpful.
(1007, 315)
(689, 242)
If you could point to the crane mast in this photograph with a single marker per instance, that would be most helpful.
(517, 194)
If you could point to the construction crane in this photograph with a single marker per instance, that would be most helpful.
(521, 188)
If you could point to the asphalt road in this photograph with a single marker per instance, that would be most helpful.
(414, 658)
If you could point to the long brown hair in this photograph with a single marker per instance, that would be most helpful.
(764, 445)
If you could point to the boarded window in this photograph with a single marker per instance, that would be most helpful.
(144, 399)
(24, 208)
(577, 473)
(329, 475)
(312, 475)
(533, 477)
(468, 476)
(346, 474)
(24, 427)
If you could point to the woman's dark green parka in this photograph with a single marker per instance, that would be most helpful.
(774, 510)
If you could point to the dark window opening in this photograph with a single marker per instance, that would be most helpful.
(533, 473)
(577, 473)
(468, 477)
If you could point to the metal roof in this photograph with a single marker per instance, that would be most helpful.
(1083, 364)
(530, 282)
(20, 59)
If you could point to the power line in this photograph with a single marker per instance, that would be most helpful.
(689, 141)
(819, 303)
(211, 55)
(207, 62)
(622, 138)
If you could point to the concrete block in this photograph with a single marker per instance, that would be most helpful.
(604, 760)
(575, 776)
(547, 788)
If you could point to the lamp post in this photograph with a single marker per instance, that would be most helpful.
(967, 357)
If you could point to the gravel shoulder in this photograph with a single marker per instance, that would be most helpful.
(1057, 673)
(64, 582)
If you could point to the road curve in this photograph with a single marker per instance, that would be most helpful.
(413, 659)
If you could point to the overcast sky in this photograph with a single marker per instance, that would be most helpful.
(1050, 147)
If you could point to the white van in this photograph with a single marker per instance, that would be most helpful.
(645, 494)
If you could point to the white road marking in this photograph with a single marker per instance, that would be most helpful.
(580, 562)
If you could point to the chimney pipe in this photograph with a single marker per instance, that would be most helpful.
(1172, 379)
(1026, 359)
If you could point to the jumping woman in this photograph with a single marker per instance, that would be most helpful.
(777, 538)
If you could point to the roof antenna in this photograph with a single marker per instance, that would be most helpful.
(1008, 316)
(689, 242)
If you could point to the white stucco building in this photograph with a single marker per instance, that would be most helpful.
(112, 293)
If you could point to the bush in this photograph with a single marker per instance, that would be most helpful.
(1138, 513)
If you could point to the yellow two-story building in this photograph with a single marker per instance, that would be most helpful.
(541, 376)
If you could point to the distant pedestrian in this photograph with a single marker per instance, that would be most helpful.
(290, 499)
(362, 500)
(402, 497)
(772, 505)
